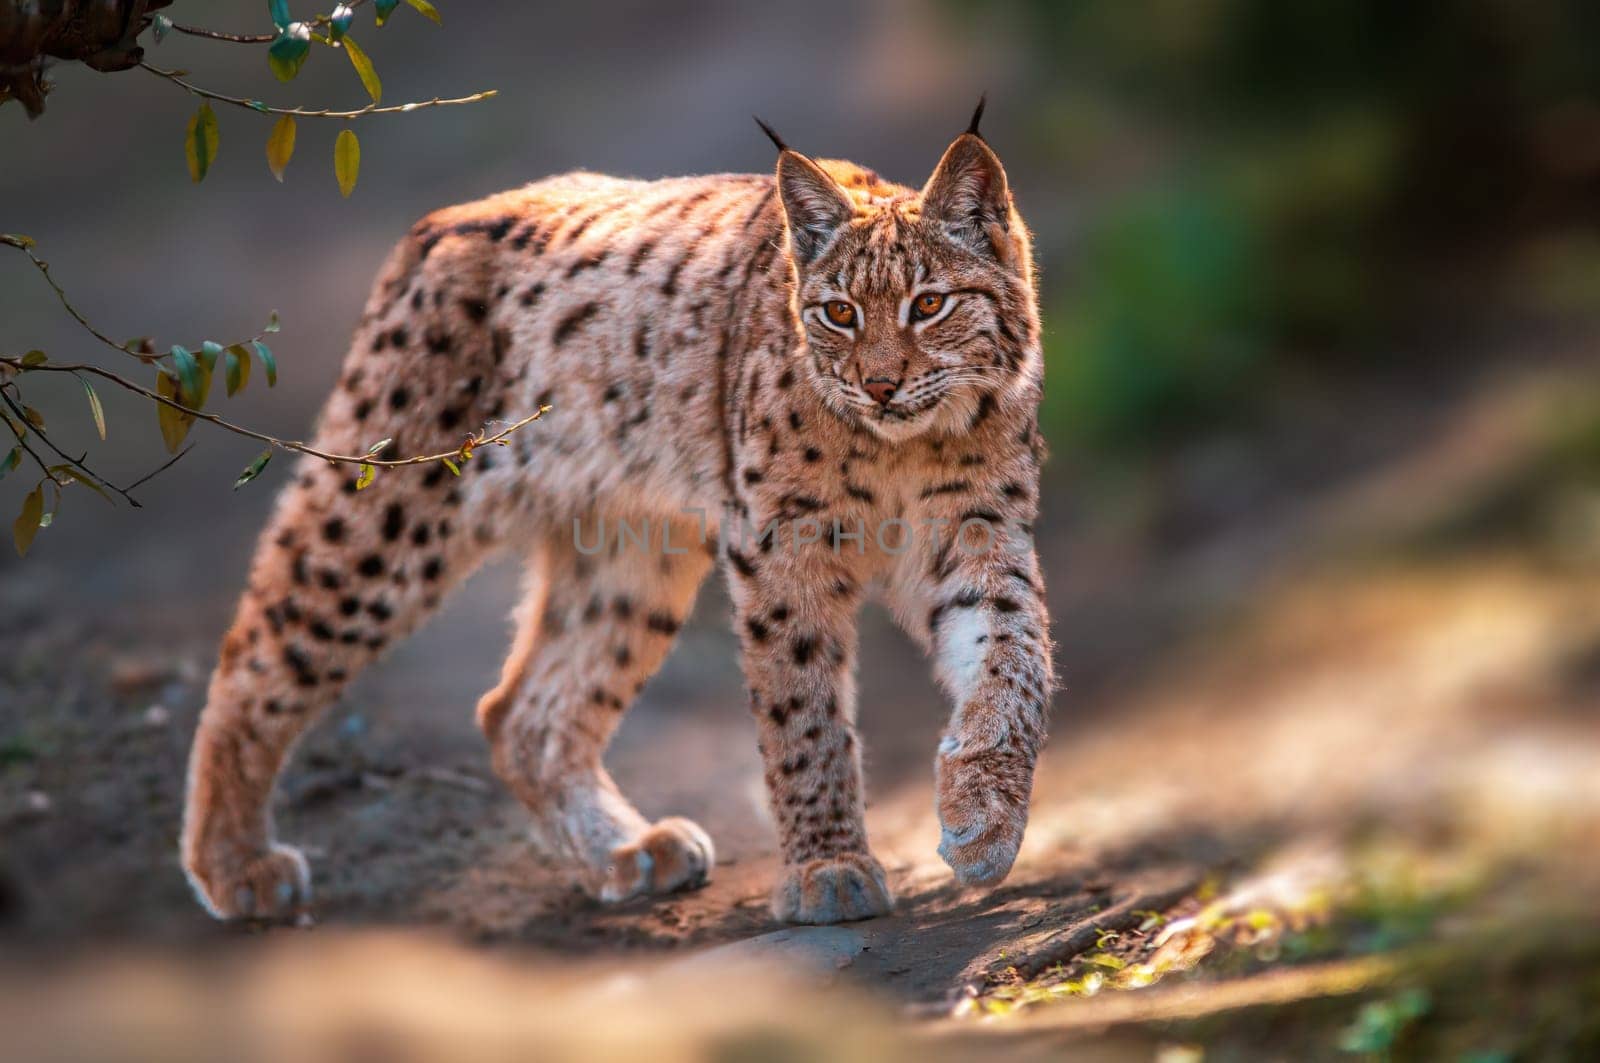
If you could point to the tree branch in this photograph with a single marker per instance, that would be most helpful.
(303, 112)
(252, 38)
(21, 365)
(478, 440)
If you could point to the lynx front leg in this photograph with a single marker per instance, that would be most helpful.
(970, 592)
(990, 636)
(796, 617)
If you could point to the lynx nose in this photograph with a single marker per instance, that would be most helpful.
(881, 389)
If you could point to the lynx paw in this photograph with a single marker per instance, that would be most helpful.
(983, 810)
(674, 854)
(274, 885)
(835, 889)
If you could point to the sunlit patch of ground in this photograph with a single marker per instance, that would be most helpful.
(1397, 777)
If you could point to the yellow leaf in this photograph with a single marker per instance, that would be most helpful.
(238, 369)
(200, 146)
(280, 146)
(365, 477)
(346, 161)
(364, 68)
(174, 424)
(428, 10)
(27, 522)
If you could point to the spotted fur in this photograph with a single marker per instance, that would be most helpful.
(680, 331)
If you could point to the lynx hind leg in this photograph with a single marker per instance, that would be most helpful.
(592, 629)
(339, 575)
(336, 578)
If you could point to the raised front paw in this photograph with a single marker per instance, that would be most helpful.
(834, 889)
(273, 884)
(674, 854)
(983, 810)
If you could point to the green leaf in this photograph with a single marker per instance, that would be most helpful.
(452, 466)
(364, 69)
(11, 461)
(95, 408)
(385, 9)
(365, 477)
(210, 351)
(27, 522)
(428, 10)
(287, 53)
(200, 146)
(253, 470)
(162, 25)
(33, 358)
(273, 324)
(378, 447)
(346, 161)
(174, 423)
(280, 12)
(188, 375)
(269, 363)
(280, 146)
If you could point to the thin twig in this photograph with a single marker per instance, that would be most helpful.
(44, 268)
(303, 112)
(76, 463)
(218, 35)
(163, 467)
(23, 443)
(295, 445)
(251, 38)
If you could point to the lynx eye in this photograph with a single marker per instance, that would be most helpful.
(840, 313)
(926, 305)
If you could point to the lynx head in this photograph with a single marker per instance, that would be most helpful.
(913, 306)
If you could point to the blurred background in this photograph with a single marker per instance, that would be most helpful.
(1321, 290)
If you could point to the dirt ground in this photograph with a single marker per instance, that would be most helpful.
(1324, 779)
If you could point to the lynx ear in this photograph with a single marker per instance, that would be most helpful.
(813, 203)
(968, 197)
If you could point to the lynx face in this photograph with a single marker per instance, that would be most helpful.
(903, 301)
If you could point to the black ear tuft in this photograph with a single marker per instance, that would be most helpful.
(977, 116)
(774, 137)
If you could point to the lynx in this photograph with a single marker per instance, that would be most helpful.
(826, 382)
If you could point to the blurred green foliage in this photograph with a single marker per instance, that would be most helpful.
(1264, 181)
(1164, 324)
